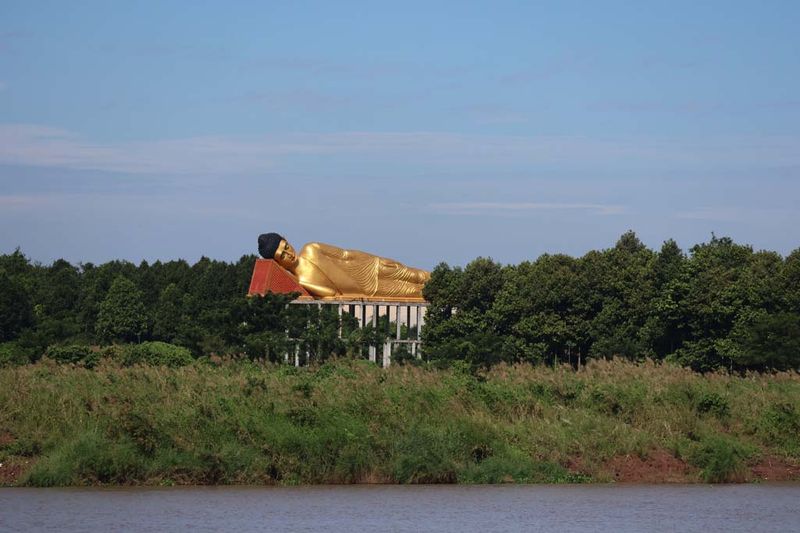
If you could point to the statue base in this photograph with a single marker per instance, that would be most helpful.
(407, 314)
(269, 276)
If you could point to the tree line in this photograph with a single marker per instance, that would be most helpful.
(202, 307)
(721, 305)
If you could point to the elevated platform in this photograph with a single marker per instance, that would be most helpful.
(269, 276)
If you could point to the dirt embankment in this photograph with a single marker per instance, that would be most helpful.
(11, 468)
(661, 466)
(658, 467)
(775, 469)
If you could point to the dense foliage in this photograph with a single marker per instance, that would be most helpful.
(347, 421)
(722, 305)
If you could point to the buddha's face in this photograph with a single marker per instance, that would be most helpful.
(286, 256)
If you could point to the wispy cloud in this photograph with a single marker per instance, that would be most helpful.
(23, 201)
(52, 147)
(364, 70)
(657, 62)
(687, 107)
(306, 100)
(710, 213)
(489, 208)
(492, 114)
(33, 145)
(551, 68)
(692, 107)
(735, 214)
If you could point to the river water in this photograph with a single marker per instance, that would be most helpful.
(767, 507)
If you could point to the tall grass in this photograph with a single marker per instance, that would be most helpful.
(348, 422)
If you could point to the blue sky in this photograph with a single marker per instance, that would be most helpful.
(422, 131)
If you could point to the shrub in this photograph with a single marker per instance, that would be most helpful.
(115, 352)
(780, 424)
(425, 455)
(402, 356)
(720, 458)
(23, 447)
(72, 354)
(87, 457)
(711, 402)
(11, 354)
(157, 354)
(616, 400)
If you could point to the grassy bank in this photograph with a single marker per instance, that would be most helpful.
(349, 422)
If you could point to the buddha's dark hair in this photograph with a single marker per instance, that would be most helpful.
(268, 244)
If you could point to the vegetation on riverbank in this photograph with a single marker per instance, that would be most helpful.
(347, 421)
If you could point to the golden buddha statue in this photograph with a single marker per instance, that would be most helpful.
(328, 271)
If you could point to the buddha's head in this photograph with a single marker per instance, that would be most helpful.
(274, 246)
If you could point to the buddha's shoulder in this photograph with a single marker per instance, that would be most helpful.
(316, 248)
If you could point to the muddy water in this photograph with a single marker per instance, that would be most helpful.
(403, 508)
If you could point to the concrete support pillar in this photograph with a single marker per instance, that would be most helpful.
(319, 344)
(397, 320)
(413, 318)
(373, 350)
(418, 353)
(286, 353)
(387, 354)
(409, 313)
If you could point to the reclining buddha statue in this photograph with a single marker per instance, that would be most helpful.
(327, 271)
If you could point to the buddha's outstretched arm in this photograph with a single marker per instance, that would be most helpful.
(318, 290)
(418, 275)
(391, 269)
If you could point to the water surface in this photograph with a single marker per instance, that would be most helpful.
(451, 508)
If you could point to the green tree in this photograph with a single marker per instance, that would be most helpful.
(535, 312)
(56, 295)
(716, 296)
(620, 293)
(16, 309)
(457, 324)
(95, 284)
(258, 325)
(17, 266)
(790, 282)
(768, 341)
(666, 329)
(170, 317)
(122, 313)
